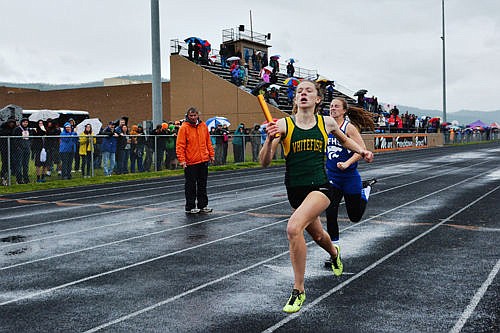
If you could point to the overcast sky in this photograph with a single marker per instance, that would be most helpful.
(392, 48)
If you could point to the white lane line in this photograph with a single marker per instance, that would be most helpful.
(158, 193)
(152, 217)
(99, 214)
(125, 209)
(291, 317)
(46, 291)
(138, 237)
(156, 216)
(187, 292)
(169, 182)
(369, 268)
(475, 300)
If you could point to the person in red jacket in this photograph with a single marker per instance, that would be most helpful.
(194, 150)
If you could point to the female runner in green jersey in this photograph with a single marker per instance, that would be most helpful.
(304, 137)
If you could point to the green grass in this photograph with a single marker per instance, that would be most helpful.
(54, 182)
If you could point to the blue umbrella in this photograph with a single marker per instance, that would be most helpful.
(214, 121)
(195, 40)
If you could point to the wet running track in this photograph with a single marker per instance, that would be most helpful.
(124, 257)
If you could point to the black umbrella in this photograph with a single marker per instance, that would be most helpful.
(361, 92)
(259, 86)
(9, 112)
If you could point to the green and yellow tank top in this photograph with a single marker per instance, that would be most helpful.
(305, 153)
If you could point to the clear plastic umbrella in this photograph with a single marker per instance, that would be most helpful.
(43, 115)
(94, 122)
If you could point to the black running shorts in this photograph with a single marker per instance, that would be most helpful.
(297, 194)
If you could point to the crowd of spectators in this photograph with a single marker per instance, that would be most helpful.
(59, 152)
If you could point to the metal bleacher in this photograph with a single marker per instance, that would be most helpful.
(254, 79)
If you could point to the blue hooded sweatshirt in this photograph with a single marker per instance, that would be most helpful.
(68, 140)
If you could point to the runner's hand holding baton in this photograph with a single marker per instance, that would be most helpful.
(266, 111)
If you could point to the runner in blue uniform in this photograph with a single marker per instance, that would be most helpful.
(304, 137)
(341, 166)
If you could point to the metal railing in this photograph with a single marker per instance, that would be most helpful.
(180, 47)
(232, 34)
(23, 162)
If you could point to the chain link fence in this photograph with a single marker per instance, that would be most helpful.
(32, 159)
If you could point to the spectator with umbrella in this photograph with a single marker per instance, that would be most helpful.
(40, 152)
(274, 63)
(290, 69)
(190, 50)
(217, 120)
(87, 141)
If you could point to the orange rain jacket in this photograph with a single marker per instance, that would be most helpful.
(193, 144)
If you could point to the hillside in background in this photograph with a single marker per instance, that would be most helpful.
(47, 86)
(464, 117)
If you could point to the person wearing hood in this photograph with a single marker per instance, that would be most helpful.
(194, 150)
(22, 151)
(7, 129)
(52, 146)
(171, 162)
(76, 156)
(255, 142)
(238, 144)
(137, 148)
(67, 149)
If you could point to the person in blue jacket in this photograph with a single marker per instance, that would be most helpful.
(108, 148)
(67, 149)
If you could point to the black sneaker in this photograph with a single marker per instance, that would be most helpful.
(206, 210)
(193, 211)
(369, 182)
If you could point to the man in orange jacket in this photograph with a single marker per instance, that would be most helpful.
(194, 150)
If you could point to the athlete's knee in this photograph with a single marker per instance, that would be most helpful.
(293, 230)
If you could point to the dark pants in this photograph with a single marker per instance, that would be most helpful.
(23, 159)
(196, 185)
(5, 162)
(354, 205)
(67, 162)
(77, 157)
(86, 163)
(238, 153)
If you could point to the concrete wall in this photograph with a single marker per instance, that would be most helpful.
(192, 85)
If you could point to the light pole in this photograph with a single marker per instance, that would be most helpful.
(155, 51)
(444, 65)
